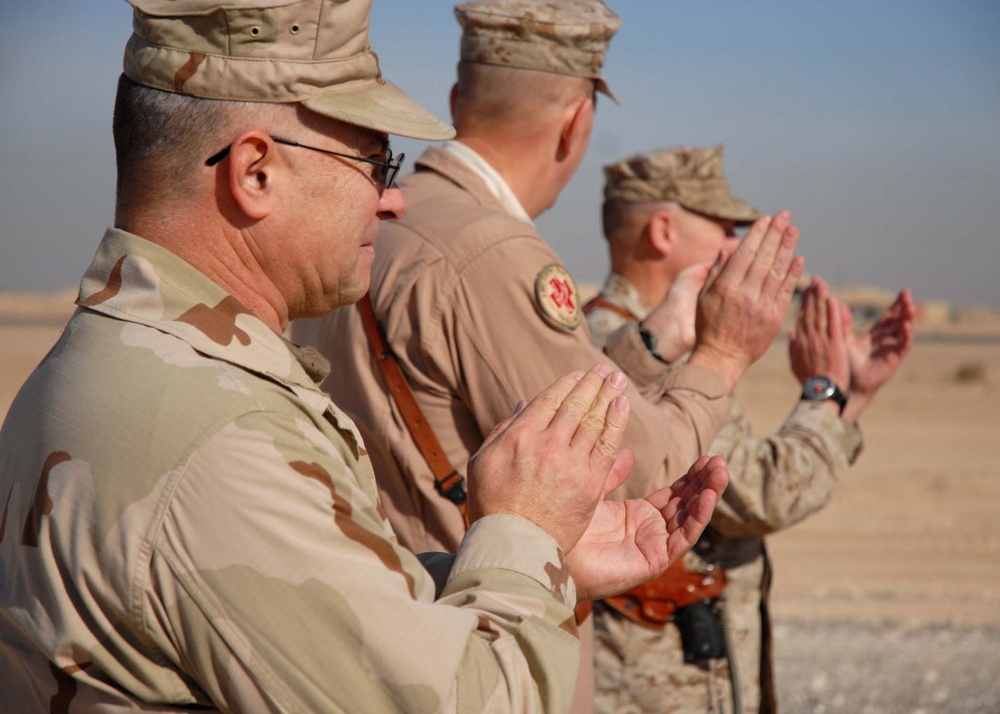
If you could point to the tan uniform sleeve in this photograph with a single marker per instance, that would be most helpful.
(497, 348)
(780, 480)
(277, 585)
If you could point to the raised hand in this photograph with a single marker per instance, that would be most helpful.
(673, 319)
(818, 345)
(876, 355)
(746, 297)
(551, 461)
(629, 542)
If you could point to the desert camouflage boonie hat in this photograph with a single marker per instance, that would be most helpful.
(315, 52)
(568, 37)
(691, 176)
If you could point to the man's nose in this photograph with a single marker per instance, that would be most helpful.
(392, 205)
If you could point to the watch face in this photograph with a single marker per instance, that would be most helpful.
(818, 388)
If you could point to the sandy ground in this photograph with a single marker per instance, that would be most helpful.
(889, 599)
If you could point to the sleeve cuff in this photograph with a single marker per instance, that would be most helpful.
(512, 543)
(696, 378)
(824, 421)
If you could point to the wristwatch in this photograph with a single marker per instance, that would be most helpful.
(820, 388)
(649, 339)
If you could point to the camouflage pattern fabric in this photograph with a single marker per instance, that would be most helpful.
(690, 175)
(620, 292)
(188, 523)
(569, 37)
(775, 482)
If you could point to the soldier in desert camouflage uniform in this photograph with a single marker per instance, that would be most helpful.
(186, 521)
(667, 214)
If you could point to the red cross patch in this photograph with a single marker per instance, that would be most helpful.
(557, 297)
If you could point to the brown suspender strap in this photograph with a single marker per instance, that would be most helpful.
(448, 482)
(598, 301)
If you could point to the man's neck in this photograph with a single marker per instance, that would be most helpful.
(223, 259)
(646, 277)
(523, 170)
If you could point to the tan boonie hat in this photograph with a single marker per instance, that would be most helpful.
(567, 37)
(691, 176)
(311, 51)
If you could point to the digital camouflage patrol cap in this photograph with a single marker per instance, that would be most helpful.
(691, 176)
(568, 37)
(315, 52)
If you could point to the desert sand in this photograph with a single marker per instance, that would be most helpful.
(886, 601)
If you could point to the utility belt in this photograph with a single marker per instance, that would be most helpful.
(655, 603)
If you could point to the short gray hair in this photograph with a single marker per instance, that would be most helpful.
(162, 137)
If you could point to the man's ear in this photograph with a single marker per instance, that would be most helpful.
(661, 232)
(575, 134)
(252, 170)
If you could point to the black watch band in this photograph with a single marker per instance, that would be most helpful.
(649, 339)
(819, 388)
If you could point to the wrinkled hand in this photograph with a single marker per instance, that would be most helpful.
(818, 345)
(673, 319)
(550, 462)
(746, 297)
(876, 355)
(629, 542)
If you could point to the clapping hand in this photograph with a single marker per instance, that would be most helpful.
(876, 355)
(630, 542)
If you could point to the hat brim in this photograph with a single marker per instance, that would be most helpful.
(382, 106)
(729, 209)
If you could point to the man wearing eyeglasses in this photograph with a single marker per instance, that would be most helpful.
(187, 522)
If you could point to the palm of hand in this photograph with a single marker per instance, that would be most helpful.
(873, 361)
(629, 542)
(875, 356)
(623, 546)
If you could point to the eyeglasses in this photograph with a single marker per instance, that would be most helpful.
(390, 168)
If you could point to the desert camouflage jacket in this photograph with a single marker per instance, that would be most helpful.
(187, 522)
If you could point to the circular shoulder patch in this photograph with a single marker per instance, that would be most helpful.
(557, 297)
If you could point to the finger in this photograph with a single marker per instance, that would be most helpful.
(620, 470)
(795, 272)
(740, 262)
(809, 308)
(540, 411)
(835, 330)
(782, 263)
(661, 499)
(605, 449)
(713, 272)
(822, 298)
(847, 321)
(767, 270)
(578, 405)
(700, 495)
(594, 423)
(498, 430)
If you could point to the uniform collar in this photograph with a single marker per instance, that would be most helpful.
(623, 293)
(472, 172)
(138, 281)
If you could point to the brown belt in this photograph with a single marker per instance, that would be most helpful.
(653, 603)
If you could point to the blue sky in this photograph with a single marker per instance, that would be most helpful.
(876, 123)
